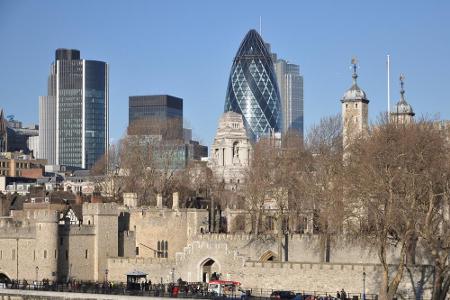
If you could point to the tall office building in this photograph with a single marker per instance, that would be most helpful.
(253, 89)
(74, 116)
(291, 90)
(156, 115)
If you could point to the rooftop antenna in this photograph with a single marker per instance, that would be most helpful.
(260, 30)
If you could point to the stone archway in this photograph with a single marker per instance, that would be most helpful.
(4, 278)
(268, 256)
(207, 268)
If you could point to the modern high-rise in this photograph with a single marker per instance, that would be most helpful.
(291, 90)
(155, 115)
(253, 89)
(74, 116)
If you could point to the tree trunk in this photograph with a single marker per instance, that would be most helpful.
(437, 284)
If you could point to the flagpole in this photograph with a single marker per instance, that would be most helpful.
(388, 85)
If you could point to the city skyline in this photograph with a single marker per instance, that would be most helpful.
(190, 60)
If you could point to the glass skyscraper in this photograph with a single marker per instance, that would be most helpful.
(74, 115)
(253, 89)
(291, 90)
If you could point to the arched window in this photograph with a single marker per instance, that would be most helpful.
(236, 149)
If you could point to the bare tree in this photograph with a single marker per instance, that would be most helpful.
(151, 156)
(385, 176)
(323, 185)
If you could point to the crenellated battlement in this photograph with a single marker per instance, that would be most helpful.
(106, 209)
(140, 261)
(14, 230)
(78, 230)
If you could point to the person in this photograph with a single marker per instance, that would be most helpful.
(338, 295)
(343, 294)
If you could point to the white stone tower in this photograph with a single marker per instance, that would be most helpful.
(355, 109)
(230, 152)
(403, 112)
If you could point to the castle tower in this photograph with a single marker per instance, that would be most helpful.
(403, 112)
(355, 109)
(45, 254)
(104, 217)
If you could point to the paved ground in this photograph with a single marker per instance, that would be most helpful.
(59, 295)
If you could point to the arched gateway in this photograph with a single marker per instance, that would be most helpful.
(207, 268)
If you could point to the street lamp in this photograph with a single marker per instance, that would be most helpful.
(364, 286)
(106, 275)
(37, 273)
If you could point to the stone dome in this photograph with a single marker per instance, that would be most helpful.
(403, 107)
(354, 93)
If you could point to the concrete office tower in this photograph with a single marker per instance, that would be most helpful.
(74, 115)
(253, 89)
(47, 129)
(290, 83)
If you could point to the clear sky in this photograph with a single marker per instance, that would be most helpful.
(185, 48)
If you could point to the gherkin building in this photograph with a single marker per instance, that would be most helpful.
(252, 88)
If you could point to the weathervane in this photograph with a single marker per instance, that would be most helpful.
(355, 66)
(402, 83)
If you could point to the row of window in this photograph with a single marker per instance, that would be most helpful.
(45, 254)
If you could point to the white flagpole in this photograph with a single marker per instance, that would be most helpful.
(388, 85)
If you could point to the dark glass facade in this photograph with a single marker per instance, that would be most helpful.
(95, 116)
(162, 106)
(156, 115)
(252, 88)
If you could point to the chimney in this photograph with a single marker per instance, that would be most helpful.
(96, 198)
(78, 198)
(175, 201)
(159, 201)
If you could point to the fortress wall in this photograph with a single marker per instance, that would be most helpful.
(153, 225)
(328, 277)
(157, 269)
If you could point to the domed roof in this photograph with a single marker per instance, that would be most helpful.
(354, 93)
(403, 107)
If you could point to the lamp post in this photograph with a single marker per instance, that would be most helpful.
(106, 275)
(364, 286)
(173, 275)
(37, 273)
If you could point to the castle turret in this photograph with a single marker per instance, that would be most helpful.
(104, 217)
(45, 254)
(403, 112)
(355, 109)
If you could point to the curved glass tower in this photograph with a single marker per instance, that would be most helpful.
(252, 88)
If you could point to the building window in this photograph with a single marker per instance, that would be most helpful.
(163, 249)
(356, 105)
(61, 240)
(137, 250)
(45, 253)
(67, 254)
(1, 254)
(13, 254)
(86, 253)
(34, 254)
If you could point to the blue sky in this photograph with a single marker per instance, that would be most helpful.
(185, 48)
